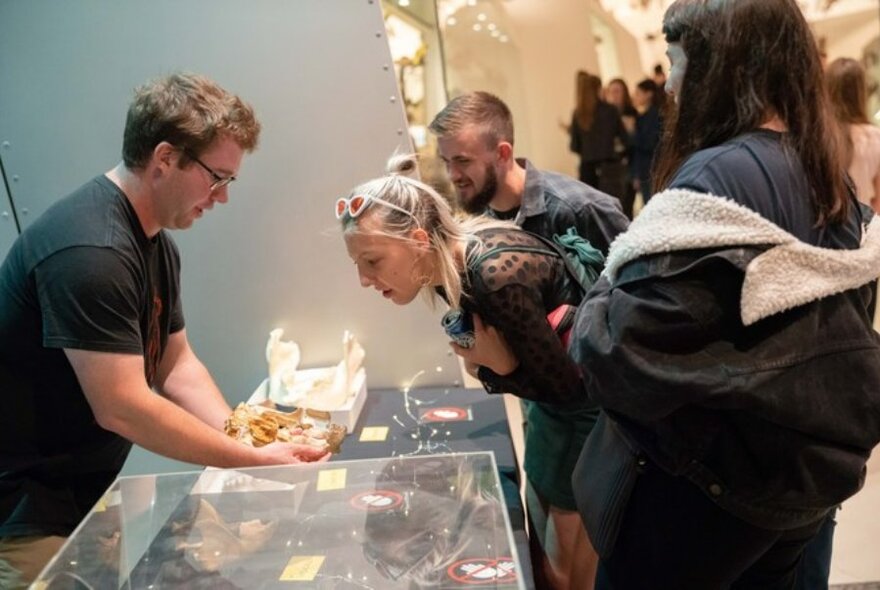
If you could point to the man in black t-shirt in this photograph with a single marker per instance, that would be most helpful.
(91, 325)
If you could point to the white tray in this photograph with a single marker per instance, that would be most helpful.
(346, 415)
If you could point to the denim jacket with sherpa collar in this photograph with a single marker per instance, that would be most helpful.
(730, 353)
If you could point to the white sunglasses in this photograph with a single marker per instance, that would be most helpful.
(357, 204)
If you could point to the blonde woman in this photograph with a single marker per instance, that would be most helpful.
(404, 241)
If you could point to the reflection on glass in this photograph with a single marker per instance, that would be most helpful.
(447, 516)
(445, 528)
(434, 521)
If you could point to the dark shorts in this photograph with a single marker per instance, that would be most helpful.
(554, 439)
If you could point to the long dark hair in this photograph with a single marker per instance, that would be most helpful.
(588, 87)
(749, 60)
(847, 90)
(627, 107)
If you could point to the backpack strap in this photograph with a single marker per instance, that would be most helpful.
(579, 277)
(584, 277)
(499, 249)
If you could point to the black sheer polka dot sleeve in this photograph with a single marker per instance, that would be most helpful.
(513, 291)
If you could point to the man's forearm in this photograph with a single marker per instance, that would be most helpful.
(162, 427)
(190, 386)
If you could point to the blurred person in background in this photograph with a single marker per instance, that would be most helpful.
(649, 127)
(617, 94)
(848, 93)
(659, 78)
(595, 132)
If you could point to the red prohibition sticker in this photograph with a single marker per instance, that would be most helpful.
(377, 500)
(483, 571)
(446, 414)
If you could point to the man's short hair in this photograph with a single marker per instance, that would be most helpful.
(648, 85)
(188, 111)
(476, 108)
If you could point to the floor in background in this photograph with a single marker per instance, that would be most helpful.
(856, 558)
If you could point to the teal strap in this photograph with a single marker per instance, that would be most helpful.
(592, 259)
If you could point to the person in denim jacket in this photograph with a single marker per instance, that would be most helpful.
(728, 341)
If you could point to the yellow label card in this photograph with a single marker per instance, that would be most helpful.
(331, 479)
(374, 433)
(302, 568)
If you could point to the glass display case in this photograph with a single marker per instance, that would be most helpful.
(434, 521)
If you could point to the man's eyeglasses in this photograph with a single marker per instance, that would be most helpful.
(219, 181)
(357, 204)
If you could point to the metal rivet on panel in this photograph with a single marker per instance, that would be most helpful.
(385, 67)
(378, 34)
(7, 145)
(24, 211)
(15, 178)
(393, 99)
(400, 131)
(5, 214)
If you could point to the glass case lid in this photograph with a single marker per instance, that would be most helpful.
(427, 521)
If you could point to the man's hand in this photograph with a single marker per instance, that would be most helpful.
(282, 453)
(490, 350)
